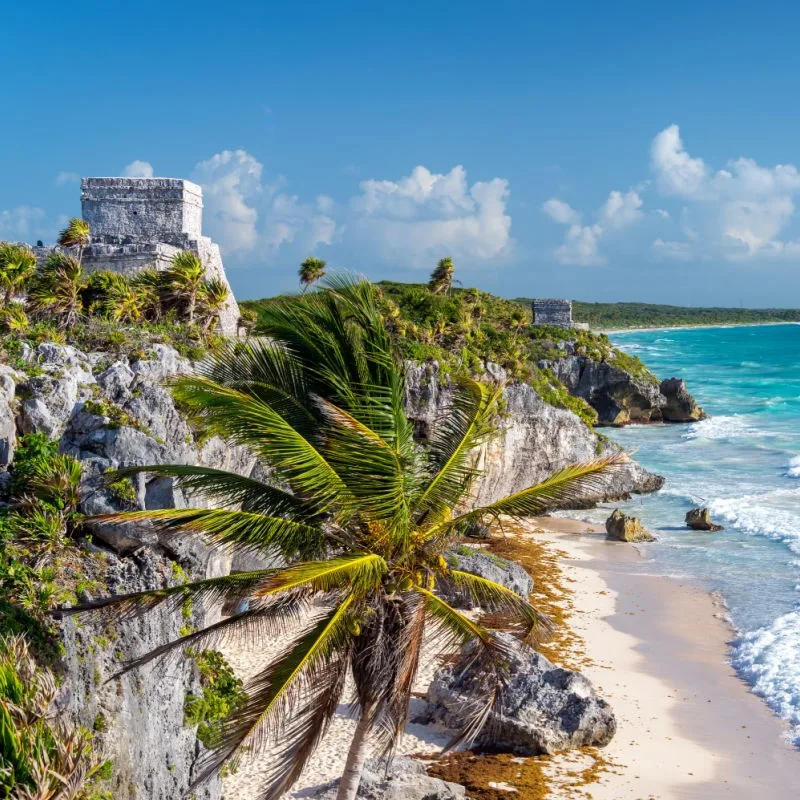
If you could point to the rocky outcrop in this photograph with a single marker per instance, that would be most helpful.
(623, 528)
(484, 565)
(621, 398)
(108, 414)
(402, 779)
(680, 406)
(545, 708)
(534, 440)
(699, 519)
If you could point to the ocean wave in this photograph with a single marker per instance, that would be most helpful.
(793, 467)
(769, 514)
(769, 659)
(730, 426)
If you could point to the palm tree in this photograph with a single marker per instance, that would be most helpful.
(76, 234)
(184, 281)
(442, 277)
(363, 518)
(17, 266)
(56, 289)
(311, 270)
(150, 284)
(212, 298)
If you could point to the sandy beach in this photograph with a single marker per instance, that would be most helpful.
(656, 650)
(688, 727)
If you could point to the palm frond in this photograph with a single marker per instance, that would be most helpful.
(562, 489)
(362, 572)
(226, 528)
(455, 628)
(226, 488)
(492, 596)
(262, 621)
(292, 700)
(465, 425)
(236, 586)
(245, 420)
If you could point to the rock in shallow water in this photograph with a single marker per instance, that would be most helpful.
(545, 708)
(623, 528)
(680, 405)
(699, 519)
(406, 779)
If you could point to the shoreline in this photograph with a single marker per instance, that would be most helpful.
(693, 327)
(688, 725)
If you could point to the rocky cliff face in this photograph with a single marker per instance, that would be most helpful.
(107, 414)
(534, 440)
(621, 398)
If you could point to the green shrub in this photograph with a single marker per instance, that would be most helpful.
(222, 695)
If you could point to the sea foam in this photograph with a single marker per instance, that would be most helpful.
(769, 659)
(793, 468)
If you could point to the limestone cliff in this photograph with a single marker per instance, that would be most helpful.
(620, 397)
(110, 413)
(535, 439)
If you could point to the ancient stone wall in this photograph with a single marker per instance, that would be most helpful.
(132, 210)
(552, 312)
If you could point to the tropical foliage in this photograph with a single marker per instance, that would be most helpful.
(76, 235)
(43, 303)
(363, 519)
(442, 277)
(311, 271)
(42, 756)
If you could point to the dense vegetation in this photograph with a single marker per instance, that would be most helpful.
(41, 566)
(464, 328)
(618, 316)
(57, 301)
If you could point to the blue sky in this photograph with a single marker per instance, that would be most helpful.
(603, 151)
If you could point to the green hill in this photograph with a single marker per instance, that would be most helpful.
(615, 316)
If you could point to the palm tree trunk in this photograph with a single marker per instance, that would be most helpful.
(190, 309)
(351, 777)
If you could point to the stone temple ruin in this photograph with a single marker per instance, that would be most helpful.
(555, 312)
(142, 222)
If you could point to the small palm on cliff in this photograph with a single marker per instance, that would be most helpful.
(442, 277)
(363, 518)
(56, 289)
(311, 270)
(76, 235)
(184, 282)
(17, 266)
(212, 298)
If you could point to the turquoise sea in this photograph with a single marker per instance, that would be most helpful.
(744, 464)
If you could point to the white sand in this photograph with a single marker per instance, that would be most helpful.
(687, 727)
(328, 761)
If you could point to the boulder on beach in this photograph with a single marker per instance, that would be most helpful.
(484, 565)
(545, 708)
(623, 528)
(699, 519)
(401, 779)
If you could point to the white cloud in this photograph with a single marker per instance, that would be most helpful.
(676, 171)
(621, 210)
(231, 182)
(738, 211)
(674, 251)
(24, 223)
(561, 212)
(64, 178)
(425, 215)
(245, 213)
(138, 169)
(581, 246)
(582, 242)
